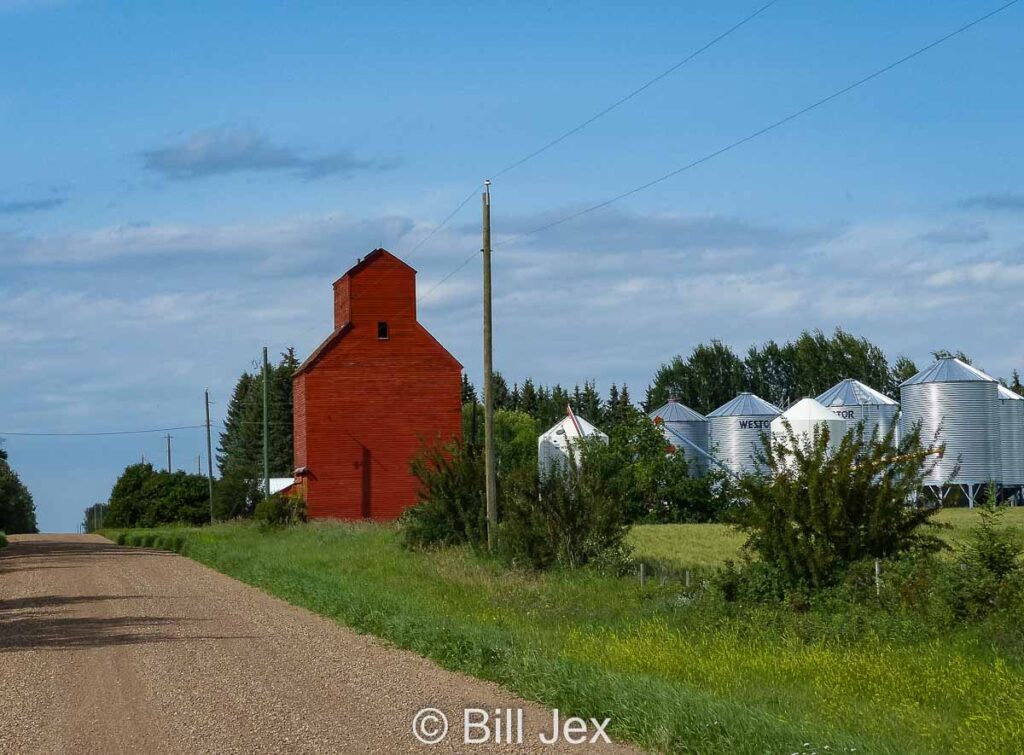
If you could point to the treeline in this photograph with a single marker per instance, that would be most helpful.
(17, 509)
(240, 454)
(145, 497)
(547, 404)
(780, 373)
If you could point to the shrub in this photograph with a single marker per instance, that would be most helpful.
(988, 576)
(817, 511)
(3, 540)
(569, 517)
(652, 480)
(236, 493)
(452, 509)
(280, 511)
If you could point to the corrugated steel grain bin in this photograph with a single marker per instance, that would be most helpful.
(957, 405)
(735, 430)
(855, 402)
(679, 422)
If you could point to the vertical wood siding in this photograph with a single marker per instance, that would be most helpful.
(364, 406)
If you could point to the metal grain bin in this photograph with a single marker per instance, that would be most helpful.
(957, 405)
(855, 402)
(683, 426)
(561, 442)
(735, 430)
(1011, 436)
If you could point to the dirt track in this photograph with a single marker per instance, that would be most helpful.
(105, 649)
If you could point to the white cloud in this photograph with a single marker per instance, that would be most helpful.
(225, 150)
(995, 274)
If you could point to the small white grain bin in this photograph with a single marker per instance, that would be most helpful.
(807, 417)
(560, 442)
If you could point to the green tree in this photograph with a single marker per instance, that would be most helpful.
(902, 370)
(17, 509)
(587, 403)
(95, 517)
(144, 497)
(946, 354)
(771, 372)
(710, 376)
(1015, 384)
(468, 391)
(240, 455)
(130, 497)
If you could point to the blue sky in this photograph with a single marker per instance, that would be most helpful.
(179, 187)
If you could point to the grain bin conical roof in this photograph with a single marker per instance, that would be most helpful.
(809, 410)
(949, 370)
(673, 411)
(852, 392)
(746, 405)
(1005, 392)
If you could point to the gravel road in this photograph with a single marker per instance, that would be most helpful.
(107, 649)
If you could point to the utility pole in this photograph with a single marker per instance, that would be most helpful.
(491, 481)
(168, 453)
(209, 453)
(199, 465)
(266, 425)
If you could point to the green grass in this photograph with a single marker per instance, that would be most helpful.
(713, 544)
(672, 674)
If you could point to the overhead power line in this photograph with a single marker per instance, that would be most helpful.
(597, 116)
(643, 87)
(762, 131)
(109, 432)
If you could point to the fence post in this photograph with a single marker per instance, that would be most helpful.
(688, 578)
(643, 574)
(878, 577)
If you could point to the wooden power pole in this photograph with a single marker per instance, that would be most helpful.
(209, 452)
(266, 425)
(168, 453)
(491, 480)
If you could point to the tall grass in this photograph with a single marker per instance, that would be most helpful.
(714, 544)
(673, 674)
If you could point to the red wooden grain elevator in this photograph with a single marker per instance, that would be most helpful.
(371, 395)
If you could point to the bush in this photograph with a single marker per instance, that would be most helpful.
(236, 493)
(144, 497)
(988, 576)
(817, 511)
(569, 517)
(3, 540)
(452, 509)
(280, 511)
(652, 480)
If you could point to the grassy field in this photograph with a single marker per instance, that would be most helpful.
(672, 675)
(713, 544)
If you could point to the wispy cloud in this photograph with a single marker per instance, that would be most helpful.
(20, 206)
(993, 202)
(280, 246)
(225, 150)
(957, 233)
